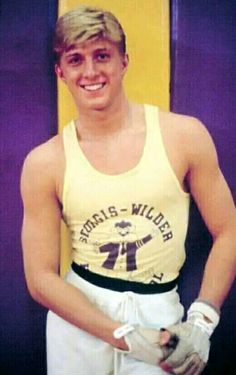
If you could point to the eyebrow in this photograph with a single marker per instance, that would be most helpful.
(73, 53)
(105, 49)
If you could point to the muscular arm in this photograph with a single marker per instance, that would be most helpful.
(214, 200)
(41, 244)
(216, 205)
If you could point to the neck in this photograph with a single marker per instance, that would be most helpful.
(109, 121)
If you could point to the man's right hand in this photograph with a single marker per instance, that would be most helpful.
(148, 345)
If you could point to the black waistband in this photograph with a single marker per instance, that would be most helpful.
(120, 285)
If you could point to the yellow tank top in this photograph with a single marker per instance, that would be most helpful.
(132, 225)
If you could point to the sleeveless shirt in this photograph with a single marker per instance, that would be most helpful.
(132, 225)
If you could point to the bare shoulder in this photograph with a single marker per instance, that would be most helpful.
(46, 153)
(44, 164)
(190, 133)
(183, 125)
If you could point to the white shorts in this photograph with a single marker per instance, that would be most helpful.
(72, 351)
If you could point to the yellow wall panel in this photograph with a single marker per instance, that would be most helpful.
(146, 24)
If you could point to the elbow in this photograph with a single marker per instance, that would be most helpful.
(33, 289)
(34, 292)
(39, 287)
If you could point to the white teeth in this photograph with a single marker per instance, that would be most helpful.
(95, 87)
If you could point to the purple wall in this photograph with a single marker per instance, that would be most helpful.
(28, 117)
(203, 84)
(204, 71)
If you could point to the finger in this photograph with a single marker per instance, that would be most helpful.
(168, 342)
(168, 339)
(165, 336)
(193, 365)
(198, 369)
(166, 367)
(186, 368)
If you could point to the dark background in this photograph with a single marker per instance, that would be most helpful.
(203, 84)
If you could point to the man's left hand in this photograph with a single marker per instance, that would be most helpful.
(192, 351)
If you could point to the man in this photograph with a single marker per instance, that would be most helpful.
(129, 167)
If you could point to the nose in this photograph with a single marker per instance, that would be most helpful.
(90, 69)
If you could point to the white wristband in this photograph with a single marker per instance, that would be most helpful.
(206, 327)
(206, 310)
(122, 331)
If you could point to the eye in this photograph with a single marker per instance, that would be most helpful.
(75, 60)
(102, 56)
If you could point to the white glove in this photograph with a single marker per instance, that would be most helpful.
(192, 351)
(144, 343)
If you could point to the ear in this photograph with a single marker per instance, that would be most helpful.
(125, 62)
(59, 72)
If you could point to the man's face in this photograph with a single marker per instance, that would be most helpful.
(93, 72)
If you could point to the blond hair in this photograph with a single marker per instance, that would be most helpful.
(83, 23)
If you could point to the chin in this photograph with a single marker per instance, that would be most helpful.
(99, 105)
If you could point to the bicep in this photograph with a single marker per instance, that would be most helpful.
(208, 186)
(41, 222)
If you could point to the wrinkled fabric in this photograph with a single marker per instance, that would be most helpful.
(73, 351)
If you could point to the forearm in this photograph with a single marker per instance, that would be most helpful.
(203, 316)
(220, 270)
(72, 305)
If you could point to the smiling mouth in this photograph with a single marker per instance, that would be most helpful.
(93, 87)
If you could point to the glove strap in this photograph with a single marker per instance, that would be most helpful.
(198, 310)
(123, 331)
(208, 303)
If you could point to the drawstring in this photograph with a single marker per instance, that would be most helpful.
(116, 357)
(127, 313)
(128, 308)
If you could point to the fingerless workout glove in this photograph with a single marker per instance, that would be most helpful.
(192, 351)
(144, 343)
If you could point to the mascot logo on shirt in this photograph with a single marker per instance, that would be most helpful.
(114, 249)
(122, 238)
